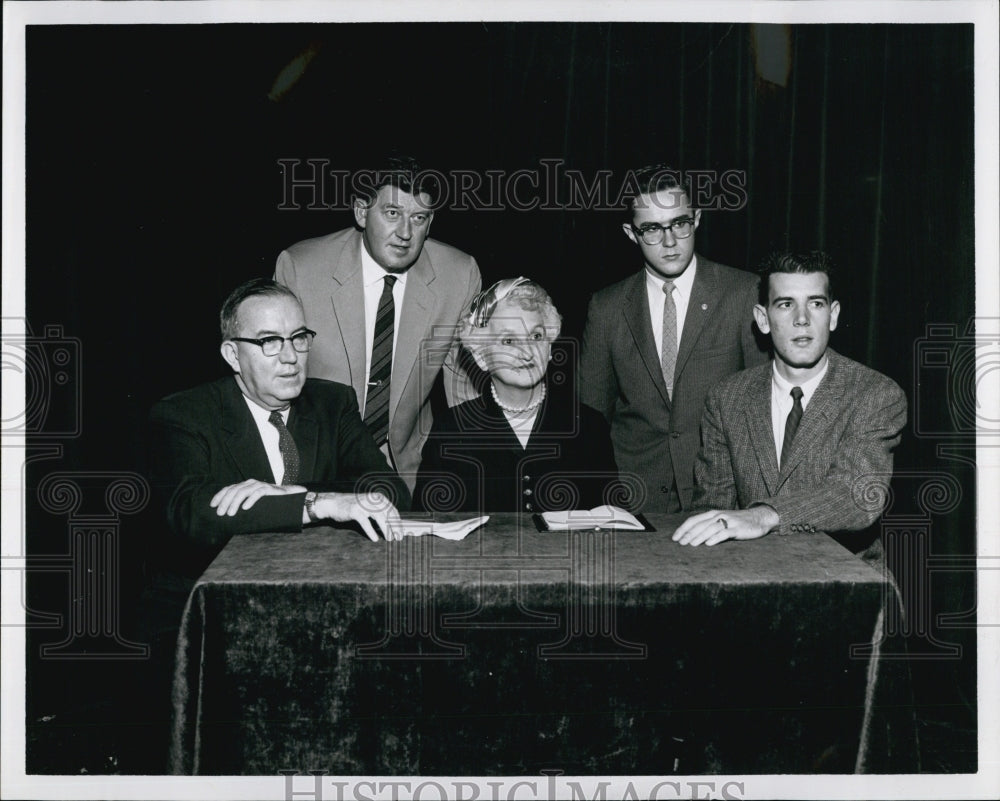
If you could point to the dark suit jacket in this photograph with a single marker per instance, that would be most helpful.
(473, 461)
(326, 275)
(205, 438)
(656, 438)
(836, 475)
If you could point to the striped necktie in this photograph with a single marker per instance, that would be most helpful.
(377, 399)
(289, 451)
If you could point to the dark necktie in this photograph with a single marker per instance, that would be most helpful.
(289, 452)
(792, 422)
(377, 399)
(668, 358)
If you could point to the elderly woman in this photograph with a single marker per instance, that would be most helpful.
(526, 444)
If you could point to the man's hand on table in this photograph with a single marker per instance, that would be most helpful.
(715, 526)
(229, 500)
(340, 507)
(362, 509)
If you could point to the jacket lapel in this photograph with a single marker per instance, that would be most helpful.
(304, 428)
(242, 439)
(757, 414)
(823, 408)
(639, 324)
(418, 307)
(349, 311)
(704, 293)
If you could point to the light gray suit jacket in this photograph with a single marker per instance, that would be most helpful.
(326, 275)
(836, 475)
(656, 438)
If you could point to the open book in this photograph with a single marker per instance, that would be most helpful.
(598, 517)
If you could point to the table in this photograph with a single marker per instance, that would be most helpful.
(514, 651)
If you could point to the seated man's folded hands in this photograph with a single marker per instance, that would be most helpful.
(229, 500)
(338, 507)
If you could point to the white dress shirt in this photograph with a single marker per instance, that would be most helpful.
(269, 434)
(373, 277)
(682, 294)
(782, 401)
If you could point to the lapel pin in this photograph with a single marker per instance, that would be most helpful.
(704, 307)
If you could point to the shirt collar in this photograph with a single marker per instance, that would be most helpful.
(262, 415)
(683, 283)
(783, 387)
(373, 272)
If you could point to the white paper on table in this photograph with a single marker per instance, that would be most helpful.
(455, 530)
(598, 517)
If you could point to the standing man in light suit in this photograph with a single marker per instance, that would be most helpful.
(384, 301)
(656, 342)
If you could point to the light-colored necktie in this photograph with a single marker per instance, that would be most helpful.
(668, 356)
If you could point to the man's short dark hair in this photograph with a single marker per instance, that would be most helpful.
(401, 172)
(229, 323)
(650, 180)
(811, 261)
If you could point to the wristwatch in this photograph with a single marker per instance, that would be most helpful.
(310, 501)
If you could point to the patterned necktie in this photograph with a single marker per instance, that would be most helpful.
(792, 422)
(377, 399)
(289, 452)
(668, 357)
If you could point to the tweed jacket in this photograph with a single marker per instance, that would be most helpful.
(837, 473)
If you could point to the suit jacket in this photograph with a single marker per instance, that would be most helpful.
(326, 275)
(474, 462)
(836, 474)
(656, 438)
(205, 439)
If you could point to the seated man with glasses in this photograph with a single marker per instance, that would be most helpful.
(656, 342)
(267, 449)
(263, 450)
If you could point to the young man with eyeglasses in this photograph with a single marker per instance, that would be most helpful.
(656, 342)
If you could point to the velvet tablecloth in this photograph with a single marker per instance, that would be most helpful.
(514, 651)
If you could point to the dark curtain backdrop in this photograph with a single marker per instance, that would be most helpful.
(154, 182)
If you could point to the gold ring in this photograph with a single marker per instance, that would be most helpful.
(725, 523)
